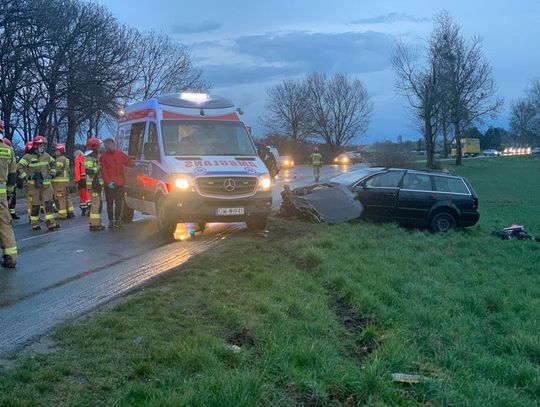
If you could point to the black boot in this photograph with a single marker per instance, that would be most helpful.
(8, 262)
(15, 216)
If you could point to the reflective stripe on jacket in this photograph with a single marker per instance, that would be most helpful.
(29, 164)
(62, 170)
(316, 159)
(93, 169)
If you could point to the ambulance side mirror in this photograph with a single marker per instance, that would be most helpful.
(151, 152)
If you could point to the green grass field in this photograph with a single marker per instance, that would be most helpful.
(321, 315)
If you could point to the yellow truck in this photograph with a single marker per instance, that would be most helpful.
(470, 147)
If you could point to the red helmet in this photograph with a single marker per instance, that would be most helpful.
(38, 140)
(28, 146)
(316, 149)
(93, 143)
(6, 141)
(1, 126)
(60, 147)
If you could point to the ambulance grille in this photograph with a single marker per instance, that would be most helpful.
(226, 186)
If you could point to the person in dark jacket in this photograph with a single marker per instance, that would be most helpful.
(112, 167)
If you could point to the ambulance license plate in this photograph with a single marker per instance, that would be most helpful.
(229, 211)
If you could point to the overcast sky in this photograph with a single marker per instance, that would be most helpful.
(246, 46)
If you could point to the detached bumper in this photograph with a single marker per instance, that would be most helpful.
(197, 209)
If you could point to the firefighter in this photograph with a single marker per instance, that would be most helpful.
(60, 184)
(80, 180)
(39, 168)
(11, 193)
(8, 178)
(27, 150)
(94, 182)
(316, 163)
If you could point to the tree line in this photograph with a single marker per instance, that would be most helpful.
(67, 66)
(318, 108)
(525, 116)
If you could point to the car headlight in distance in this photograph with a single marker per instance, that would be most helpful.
(181, 183)
(265, 183)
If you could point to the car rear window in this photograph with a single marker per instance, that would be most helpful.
(417, 182)
(388, 179)
(447, 184)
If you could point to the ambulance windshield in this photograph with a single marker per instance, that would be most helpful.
(206, 137)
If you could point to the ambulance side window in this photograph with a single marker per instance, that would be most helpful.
(136, 139)
(151, 148)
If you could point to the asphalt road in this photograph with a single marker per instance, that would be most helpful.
(64, 274)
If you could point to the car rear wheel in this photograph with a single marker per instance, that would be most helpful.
(443, 222)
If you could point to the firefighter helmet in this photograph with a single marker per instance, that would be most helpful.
(38, 140)
(60, 147)
(316, 149)
(28, 146)
(6, 141)
(93, 144)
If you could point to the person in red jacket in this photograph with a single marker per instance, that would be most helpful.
(80, 180)
(112, 167)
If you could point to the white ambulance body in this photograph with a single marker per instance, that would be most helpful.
(194, 162)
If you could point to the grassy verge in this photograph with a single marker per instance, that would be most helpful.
(320, 315)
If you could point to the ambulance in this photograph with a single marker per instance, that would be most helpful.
(194, 162)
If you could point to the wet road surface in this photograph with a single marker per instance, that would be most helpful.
(62, 275)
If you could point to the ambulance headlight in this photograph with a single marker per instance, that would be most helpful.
(265, 183)
(181, 183)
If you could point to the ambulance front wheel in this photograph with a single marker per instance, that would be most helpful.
(127, 213)
(166, 224)
(257, 223)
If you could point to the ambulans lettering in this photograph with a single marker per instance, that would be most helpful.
(218, 163)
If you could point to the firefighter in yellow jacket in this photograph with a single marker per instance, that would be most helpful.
(94, 182)
(8, 179)
(39, 168)
(60, 184)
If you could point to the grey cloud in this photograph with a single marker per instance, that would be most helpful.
(391, 18)
(195, 28)
(294, 53)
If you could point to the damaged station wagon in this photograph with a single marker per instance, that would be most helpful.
(415, 198)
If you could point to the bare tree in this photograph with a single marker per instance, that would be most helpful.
(287, 111)
(164, 67)
(467, 81)
(418, 81)
(339, 108)
(524, 122)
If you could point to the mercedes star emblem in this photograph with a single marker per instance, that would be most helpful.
(229, 185)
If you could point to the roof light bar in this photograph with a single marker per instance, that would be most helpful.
(194, 97)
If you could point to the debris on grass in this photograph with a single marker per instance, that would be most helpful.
(410, 378)
(514, 232)
(326, 202)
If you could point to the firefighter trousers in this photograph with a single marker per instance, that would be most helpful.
(317, 172)
(26, 187)
(42, 194)
(63, 200)
(95, 208)
(7, 237)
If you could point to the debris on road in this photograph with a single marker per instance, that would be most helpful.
(325, 202)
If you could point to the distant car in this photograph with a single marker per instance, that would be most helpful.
(435, 200)
(286, 161)
(350, 157)
(535, 150)
(491, 152)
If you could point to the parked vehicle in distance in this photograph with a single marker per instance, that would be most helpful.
(491, 152)
(416, 198)
(535, 150)
(470, 147)
(349, 157)
(286, 162)
(517, 151)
